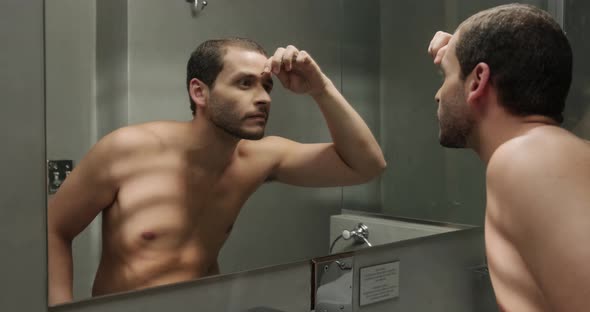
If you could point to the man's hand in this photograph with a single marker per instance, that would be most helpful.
(438, 46)
(296, 70)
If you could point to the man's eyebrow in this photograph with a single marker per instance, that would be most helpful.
(250, 75)
(244, 74)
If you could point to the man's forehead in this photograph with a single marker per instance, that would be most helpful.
(451, 49)
(240, 62)
(238, 58)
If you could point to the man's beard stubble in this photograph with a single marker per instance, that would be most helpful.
(229, 121)
(456, 124)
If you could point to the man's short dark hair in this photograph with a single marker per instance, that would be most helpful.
(529, 56)
(206, 62)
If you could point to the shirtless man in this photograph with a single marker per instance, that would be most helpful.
(507, 72)
(171, 191)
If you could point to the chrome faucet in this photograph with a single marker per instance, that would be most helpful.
(360, 234)
(199, 4)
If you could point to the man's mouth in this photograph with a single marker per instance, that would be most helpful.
(261, 115)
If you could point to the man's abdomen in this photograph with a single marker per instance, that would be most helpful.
(117, 273)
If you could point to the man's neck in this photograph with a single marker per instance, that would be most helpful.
(494, 132)
(208, 146)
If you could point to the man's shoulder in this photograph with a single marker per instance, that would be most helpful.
(136, 136)
(541, 150)
(527, 172)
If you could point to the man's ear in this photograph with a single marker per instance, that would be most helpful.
(478, 83)
(199, 92)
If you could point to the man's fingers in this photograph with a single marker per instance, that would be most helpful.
(303, 57)
(276, 61)
(283, 58)
(439, 55)
(431, 50)
(267, 66)
(289, 56)
(440, 40)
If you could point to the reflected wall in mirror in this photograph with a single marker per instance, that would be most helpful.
(112, 64)
(385, 50)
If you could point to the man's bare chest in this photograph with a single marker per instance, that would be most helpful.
(176, 207)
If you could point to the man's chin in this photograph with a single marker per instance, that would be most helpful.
(250, 134)
(254, 136)
(445, 142)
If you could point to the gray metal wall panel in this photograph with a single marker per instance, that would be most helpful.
(283, 288)
(23, 286)
(577, 111)
(435, 273)
(70, 71)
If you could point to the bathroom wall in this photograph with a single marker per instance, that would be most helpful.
(23, 266)
(112, 77)
(577, 112)
(361, 36)
(71, 104)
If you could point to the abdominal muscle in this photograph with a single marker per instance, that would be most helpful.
(132, 273)
(162, 242)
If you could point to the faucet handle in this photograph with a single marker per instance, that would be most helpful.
(346, 234)
(198, 4)
(360, 233)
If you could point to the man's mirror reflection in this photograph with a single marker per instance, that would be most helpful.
(170, 191)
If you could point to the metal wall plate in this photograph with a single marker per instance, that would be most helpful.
(333, 283)
(57, 172)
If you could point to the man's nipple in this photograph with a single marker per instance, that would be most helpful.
(148, 235)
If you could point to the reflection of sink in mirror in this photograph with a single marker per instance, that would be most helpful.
(383, 230)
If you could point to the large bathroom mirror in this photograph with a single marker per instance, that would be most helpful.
(113, 63)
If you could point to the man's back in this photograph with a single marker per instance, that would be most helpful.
(538, 205)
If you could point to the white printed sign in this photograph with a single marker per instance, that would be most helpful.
(379, 283)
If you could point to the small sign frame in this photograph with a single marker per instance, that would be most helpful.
(379, 283)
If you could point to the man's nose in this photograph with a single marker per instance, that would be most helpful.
(263, 96)
(437, 97)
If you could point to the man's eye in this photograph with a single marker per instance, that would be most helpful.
(268, 88)
(246, 83)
